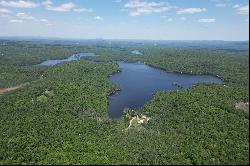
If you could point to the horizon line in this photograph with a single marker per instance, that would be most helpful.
(128, 39)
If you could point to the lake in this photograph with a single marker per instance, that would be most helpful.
(71, 58)
(139, 82)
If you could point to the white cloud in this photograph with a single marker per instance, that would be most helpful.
(169, 19)
(19, 4)
(221, 5)
(133, 14)
(139, 4)
(16, 21)
(25, 16)
(244, 10)
(138, 7)
(220, 1)
(4, 11)
(80, 10)
(47, 3)
(151, 10)
(99, 18)
(207, 20)
(191, 10)
(43, 20)
(65, 7)
(236, 6)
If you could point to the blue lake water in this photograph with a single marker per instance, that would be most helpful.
(71, 58)
(139, 82)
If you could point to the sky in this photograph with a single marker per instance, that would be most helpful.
(126, 19)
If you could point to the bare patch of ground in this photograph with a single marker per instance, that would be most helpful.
(7, 90)
(243, 106)
(138, 121)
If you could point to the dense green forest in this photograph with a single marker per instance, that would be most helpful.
(61, 116)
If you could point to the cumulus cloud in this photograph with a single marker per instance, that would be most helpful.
(65, 7)
(191, 10)
(169, 19)
(25, 16)
(236, 6)
(43, 20)
(139, 4)
(19, 4)
(80, 10)
(220, 1)
(99, 18)
(207, 20)
(240, 9)
(47, 3)
(221, 5)
(4, 11)
(138, 7)
(16, 21)
(133, 14)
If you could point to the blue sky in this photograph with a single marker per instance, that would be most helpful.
(126, 19)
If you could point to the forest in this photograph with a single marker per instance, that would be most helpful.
(61, 117)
